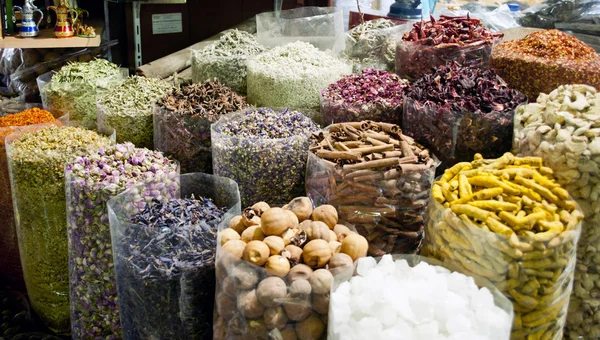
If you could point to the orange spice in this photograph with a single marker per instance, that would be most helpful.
(27, 117)
(552, 44)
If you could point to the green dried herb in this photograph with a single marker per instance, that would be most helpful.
(74, 88)
(36, 160)
(226, 59)
(127, 108)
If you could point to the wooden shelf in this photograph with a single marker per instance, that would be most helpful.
(46, 39)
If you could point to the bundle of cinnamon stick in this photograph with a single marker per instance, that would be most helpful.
(377, 178)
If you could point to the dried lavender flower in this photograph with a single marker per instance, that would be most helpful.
(36, 160)
(127, 108)
(264, 151)
(371, 95)
(225, 59)
(74, 89)
(458, 111)
(91, 181)
(182, 122)
(292, 75)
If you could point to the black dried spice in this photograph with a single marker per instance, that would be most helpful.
(457, 111)
(182, 123)
(167, 272)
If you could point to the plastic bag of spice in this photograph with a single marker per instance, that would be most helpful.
(164, 243)
(89, 186)
(322, 27)
(36, 161)
(384, 194)
(513, 227)
(264, 151)
(10, 266)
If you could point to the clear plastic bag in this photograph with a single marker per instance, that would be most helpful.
(537, 278)
(338, 111)
(78, 99)
(499, 299)
(180, 305)
(38, 190)
(184, 137)
(547, 14)
(416, 58)
(229, 70)
(270, 170)
(386, 207)
(456, 136)
(323, 27)
(131, 126)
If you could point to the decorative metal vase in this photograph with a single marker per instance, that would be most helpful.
(65, 16)
(29, 28)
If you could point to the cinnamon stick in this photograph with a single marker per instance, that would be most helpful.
(349, 155)
(380, 163)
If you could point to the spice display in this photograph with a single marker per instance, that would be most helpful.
(75, 87)
(275, 267)
(372, 44)
(264, 151)
(164, 253)
(182, 122)
(292, 75)
(127, 109)
(544, 60)
(225, 59)
(436, 42)
(562, 128)
(458, 111)
(10, 266)
(449, 304)
(91, 181)
(36, 161)
(377, 178)
(506, 221)
(370, 95)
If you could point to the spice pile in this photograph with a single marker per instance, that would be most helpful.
(165, 269)
(182, 122)
(372, 44)
(36, 162)
(563, 127)
(377, 178)
(506, 221)
(370, 95)
(264, 151)
(127, 108)
(226, 59)
(292, 75)
(380, 303)
(458, 111)
(275, 267)
(10, 266)
(91, 181)
(544, 60)
(436, 42)
(74, 89)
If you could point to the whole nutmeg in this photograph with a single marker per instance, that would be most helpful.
(288, 333)
(235, 247)
(256, 330)
(311, 328)
(335, 247)
(320, 281)
(320, 303)
(301, 207)
(226, 306)
(256, 252)
(304, 224)
(249, 218)
(253, 233)
(277, 265)
(316, 253)
(327, 214)
(340, 260)
(293, 218)
(355, 245)
(317, 230)
(297, 309)
(237, 224)
(288, 235)
(341, 231)
(260, 207)
(300, 271)
(275, 317)
(248, 304)
(275, 244)
(229, 287)
(229, 234)
(295, 253)
(300, 288)
(333, 236)
(275, 221)
(271, 291)
(244, 276)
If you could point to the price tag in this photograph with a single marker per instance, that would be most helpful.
(167, 23)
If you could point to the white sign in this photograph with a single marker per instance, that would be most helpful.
(167, 23)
